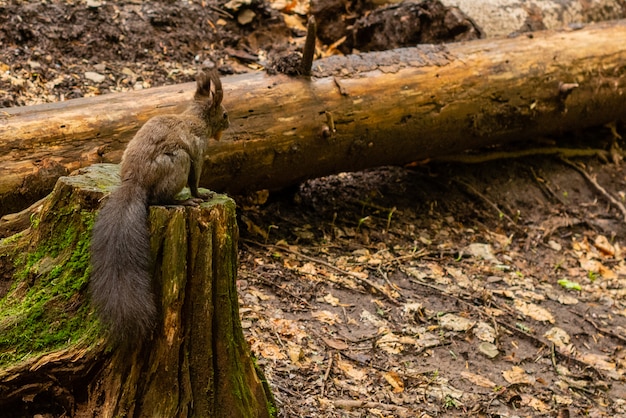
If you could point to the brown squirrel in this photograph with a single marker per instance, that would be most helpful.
(165, 155)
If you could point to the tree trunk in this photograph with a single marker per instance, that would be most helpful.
(389, 107)
(54, 358)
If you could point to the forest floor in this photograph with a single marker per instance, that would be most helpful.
(442, 289)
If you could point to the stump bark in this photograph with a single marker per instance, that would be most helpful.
(53, 357)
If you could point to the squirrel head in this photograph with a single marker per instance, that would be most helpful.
(208, 101)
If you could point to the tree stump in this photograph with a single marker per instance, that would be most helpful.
(53, 356)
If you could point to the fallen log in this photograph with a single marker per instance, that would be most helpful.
(357, 111)
(55, 358)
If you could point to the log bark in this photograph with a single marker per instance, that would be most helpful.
(389, 107)
(55, 360)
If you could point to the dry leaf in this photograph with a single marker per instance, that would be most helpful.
(603, 244)
(331, 300)
(558, 336)
(326, 317)
(367, 316)
(308, 268)
(336, 344)
(295, 353)
(390, 343)
(350, 371)
(456, 323)
(478, 380)
(536, 404)
(517, 375)
(259, 293)
(599, 361)
(481, 251)
(484, 332)
(395, 381)
(533, 311)
(267, 350)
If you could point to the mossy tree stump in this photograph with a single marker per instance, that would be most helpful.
(54, 357)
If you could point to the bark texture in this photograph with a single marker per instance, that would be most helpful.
(198, 363)
(356, 112)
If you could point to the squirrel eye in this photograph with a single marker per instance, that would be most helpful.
(225, 115)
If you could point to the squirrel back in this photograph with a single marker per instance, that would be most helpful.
(166, 154)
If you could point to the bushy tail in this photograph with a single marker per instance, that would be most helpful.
(120, 285)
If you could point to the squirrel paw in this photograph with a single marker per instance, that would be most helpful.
(193, 201)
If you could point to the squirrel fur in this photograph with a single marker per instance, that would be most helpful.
(165, 155)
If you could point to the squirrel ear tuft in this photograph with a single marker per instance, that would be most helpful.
(203, 84)
(203, 90)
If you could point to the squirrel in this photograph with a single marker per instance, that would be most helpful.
(164, 156)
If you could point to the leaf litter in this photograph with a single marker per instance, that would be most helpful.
(467, 314)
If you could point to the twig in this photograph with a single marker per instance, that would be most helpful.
(475, 192)
(325, 378)
(543, 185)
(597, 186)
(604, 331)
(309, 47)
(352, 404)
(502, 155)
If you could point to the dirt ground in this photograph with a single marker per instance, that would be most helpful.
(444, 289)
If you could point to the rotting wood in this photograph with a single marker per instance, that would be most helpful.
(390, 107)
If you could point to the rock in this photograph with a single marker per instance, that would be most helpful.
(95, 77)
(245, 17)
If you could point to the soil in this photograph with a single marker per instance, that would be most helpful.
(443, 289)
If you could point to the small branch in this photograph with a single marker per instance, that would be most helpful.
(475, 192)
(309, 47)
(328, 369)
(597, 186)
(502, 155)
(352, 404)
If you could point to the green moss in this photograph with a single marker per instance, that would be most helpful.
(46, 309)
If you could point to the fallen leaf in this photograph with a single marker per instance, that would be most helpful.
(336, 344)
(558, 336)
(395, 381)
(555, 245)
(367, 316)
(603, 244)
(267, 350)
(456, 323)
(484, 332)
(533, 311)
(478, 380)
(350, 371)
(483, 251)
(517, 375)
(326, 317)
(390, 343)
(295, 353)
(567, 300)
(331, 300)
(599, 361)
(536, 404)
